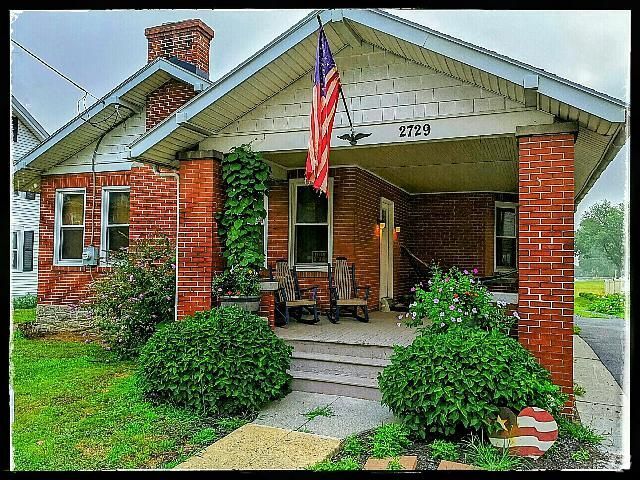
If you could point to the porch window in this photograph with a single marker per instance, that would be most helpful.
(69, 226)
(115, 220)
(506, 244)
(310, 226)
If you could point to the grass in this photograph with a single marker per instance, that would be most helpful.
(390, 440)
(590, 286)
(394, 464)
(578, 390)
(443, 450)
(22, 315)
(324, 411)
(488, 457)
(353, 446)
(346, 463)
(581, 304)
(578, 431)
(77, 408)
(581, 455)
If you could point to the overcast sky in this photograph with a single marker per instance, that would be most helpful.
(99, 49)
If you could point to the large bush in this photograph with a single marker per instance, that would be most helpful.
(444, 382)
(135, 295)
(24, 301)
(457, 298)
(223, 361)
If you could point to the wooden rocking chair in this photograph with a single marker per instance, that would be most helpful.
(289, 296)
(343, 292)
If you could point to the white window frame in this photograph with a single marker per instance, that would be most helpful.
(265, 223)
(504, 205)
(294, 183)
(104, 219)
(19, 242)
(58, 227)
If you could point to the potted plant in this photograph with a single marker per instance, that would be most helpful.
(239, 286)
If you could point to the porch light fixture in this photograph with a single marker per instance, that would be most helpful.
(382, 224)
(397, 229)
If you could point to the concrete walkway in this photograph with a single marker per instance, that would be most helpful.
(606, 336)
(601, 407)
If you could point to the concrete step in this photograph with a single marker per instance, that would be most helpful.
(344, 385)
(342, 349)
(329, 364)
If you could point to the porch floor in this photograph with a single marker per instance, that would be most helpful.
(382, 330)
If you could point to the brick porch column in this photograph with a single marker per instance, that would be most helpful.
(199, 245)
(545, 247)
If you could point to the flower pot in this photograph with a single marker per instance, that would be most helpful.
(248, 303)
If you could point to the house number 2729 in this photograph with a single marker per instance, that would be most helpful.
(415, 130)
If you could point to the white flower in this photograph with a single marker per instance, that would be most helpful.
(398, 324)
(442, 314)
(515, 314)
(459, 320)
(399, 317)
(474, 310)
(413, 314)
(406, 314)
(460, 310)
(436, 300)
(442, 324)
(456, 299)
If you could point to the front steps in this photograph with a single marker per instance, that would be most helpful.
(334, 368)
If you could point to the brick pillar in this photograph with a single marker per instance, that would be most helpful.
(545, 248)
(267, 308)
(199, 245)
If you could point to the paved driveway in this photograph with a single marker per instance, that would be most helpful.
(606, 336)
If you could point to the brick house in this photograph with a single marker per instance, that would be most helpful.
(474, 160)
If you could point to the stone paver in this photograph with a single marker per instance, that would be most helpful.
(350, 415)
(408, 462)
(256, 447)
(601, 407)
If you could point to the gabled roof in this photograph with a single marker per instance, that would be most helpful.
(291, 56)
(123, 101)
(26, 118)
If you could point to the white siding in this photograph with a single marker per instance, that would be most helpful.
(111, 154)
(379, 86)
(25, 216)
(26, 141)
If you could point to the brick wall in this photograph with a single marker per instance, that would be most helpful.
(165, 100)
(199, 246)
(188, 40)
(545, 229)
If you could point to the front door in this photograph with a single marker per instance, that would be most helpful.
(386, 248)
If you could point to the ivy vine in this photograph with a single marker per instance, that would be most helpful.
(245, 175)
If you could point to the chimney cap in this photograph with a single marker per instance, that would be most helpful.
(190, 24)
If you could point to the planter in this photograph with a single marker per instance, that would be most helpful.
(249, 303)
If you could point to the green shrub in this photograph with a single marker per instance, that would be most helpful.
(223, 361)
(24, 301)
(580, 432)
(394, 464)
(612, 304)
(443, 450)
(456, 298)
(346, 463)
(353, 446)
(457, 379)
(589, 296)
(488, 457)
(576, 330)
(237, 280)
(390, 440)
(135, 295)
(581, 455)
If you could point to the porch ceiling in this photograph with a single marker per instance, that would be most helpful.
(479, 164)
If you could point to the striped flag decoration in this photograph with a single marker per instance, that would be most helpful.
(326, 88)
(530, 434)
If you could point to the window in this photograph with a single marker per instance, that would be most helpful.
(506, 244)
(30, 195)
(69, 222)
(15, 250)
(115, 220)
(14, 127)
(310, 226)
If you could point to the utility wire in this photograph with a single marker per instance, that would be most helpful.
(55, 70)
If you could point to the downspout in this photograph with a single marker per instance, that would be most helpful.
(175, 175)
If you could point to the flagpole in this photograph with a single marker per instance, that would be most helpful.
(344, 101)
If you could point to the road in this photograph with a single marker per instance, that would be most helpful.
(606, 336)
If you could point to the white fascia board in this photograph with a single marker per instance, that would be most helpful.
(235, 77)
(113, 97)
(24, 115)
(586, 99)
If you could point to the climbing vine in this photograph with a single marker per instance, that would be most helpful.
(245, 175)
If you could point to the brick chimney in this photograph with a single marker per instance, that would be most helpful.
(186, 44)
(187, 40)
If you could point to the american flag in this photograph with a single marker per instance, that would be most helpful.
(326, 88)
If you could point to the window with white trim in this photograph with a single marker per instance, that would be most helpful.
(22, 250)
(506, 242)
(310, 226)
(16, 259)
(69, 226)
(115, 220)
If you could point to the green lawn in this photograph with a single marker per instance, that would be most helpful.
(581, 305)
(24, 315)
(76, 407)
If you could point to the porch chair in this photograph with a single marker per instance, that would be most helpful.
(343, 292)
(289, 296)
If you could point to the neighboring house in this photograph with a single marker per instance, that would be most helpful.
(474, 160)
(26, 134)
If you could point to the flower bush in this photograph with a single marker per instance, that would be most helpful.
(237, 280)
(24, 301)
(224, 361)
(135, 295)
(457, 379)
(612, 304)
(457, 298)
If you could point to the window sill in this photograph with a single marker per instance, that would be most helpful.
(312, 268)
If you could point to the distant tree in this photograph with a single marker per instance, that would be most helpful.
(600, 237)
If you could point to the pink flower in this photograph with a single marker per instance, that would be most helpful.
(466, 272)
(413, 289)
(475, 270)
(451, 307)
(436, 300)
